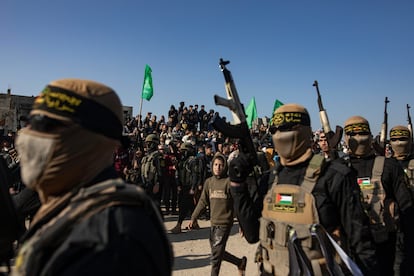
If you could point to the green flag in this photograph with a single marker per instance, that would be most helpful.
(147, 88)
(276, 105)
(251, 112)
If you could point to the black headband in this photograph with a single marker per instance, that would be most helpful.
(290, 118)
(83, 111)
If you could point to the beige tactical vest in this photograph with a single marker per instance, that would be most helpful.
(382, 214)
(290, 215)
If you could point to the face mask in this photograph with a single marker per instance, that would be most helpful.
(293, 146)
(359, 145)
(35, 152)
(400, 148)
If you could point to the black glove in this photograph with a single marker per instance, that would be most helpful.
(239, 168)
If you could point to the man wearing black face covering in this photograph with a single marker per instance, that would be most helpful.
(335, 193)
(385, 195)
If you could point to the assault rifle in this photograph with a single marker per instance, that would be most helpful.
(410, 125)
(239, 129)
(384, 127)
(333, 138)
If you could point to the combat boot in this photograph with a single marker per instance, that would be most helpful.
(176, 229)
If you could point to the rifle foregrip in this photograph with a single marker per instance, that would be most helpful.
(383, 135)
(325, 121)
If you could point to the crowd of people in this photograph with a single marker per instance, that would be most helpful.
(359, 196)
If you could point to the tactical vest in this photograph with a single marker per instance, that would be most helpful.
(381, 213)
(35, 252)
(187, 170)
(149, 170)
(289, 211)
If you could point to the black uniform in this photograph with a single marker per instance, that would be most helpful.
(124, 239)
(395, 186)
(338, 202)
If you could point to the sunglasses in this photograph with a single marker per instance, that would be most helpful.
(399, 139)
(355, 133)
(284, 127)
(44, 123)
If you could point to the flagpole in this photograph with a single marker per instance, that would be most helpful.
(140, 113)
(147, 88)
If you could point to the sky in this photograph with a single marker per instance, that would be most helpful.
(359, 51)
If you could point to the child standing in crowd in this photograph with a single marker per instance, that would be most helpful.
(216, 195)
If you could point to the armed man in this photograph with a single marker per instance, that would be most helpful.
(402, 148)
(91, 221)
(331, 202)
(188, 177)
(401, 144)
(327, 140)
(401, 141)
(151, 168)
(302, 200)
(386, 197)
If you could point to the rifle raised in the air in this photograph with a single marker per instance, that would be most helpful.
(384, 127)
(239, 129)
(410, 125)
(333, 138)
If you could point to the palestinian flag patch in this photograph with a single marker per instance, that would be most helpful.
(284, 199)
(364, 183)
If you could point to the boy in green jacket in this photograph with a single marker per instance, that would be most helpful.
(216, 195)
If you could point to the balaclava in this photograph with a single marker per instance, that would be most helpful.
(358, 136)
(74, 128)
(293, 136)
(400, 140)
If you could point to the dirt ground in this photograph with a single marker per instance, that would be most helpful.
(192, 250)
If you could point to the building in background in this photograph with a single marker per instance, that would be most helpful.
(15, 109)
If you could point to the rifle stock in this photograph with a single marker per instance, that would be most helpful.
(239, 129)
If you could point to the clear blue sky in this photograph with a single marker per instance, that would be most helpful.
(359, 51)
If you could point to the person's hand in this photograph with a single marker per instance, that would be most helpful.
(191, 192)
(200, 187)
(239, 168)
(190, 224)
(156, 188)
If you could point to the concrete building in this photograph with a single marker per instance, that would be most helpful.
(14, 110)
